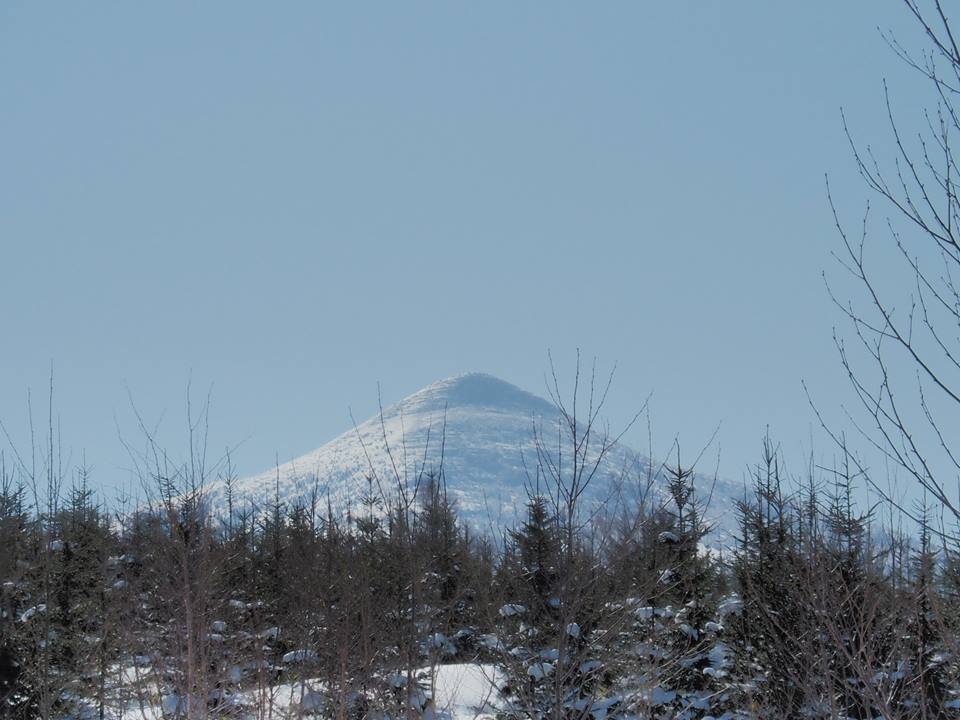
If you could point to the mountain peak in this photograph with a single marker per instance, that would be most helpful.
(475, 390)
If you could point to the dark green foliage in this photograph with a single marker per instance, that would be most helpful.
(533, 561)
(831, 620)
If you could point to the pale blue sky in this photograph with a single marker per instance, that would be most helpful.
(294, 201)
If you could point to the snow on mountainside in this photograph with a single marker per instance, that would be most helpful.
(486, 429)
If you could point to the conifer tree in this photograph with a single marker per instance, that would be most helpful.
(928, 662)
(536, 550)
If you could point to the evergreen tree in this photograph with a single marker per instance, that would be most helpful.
(768, 573)
(930, 676)
(536, 547)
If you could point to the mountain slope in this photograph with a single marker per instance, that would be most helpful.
(480, 427)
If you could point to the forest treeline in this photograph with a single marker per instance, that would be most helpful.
(816, 610)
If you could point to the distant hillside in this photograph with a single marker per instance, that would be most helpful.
(483, 430)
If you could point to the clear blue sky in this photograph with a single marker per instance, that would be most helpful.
(294, 201)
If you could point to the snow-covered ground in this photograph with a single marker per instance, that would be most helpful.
(466, 691)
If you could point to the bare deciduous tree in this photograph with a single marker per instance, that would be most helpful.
(902, 355)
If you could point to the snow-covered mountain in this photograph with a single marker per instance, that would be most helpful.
(475, 427)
